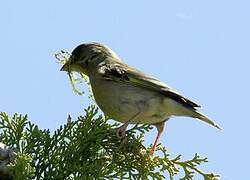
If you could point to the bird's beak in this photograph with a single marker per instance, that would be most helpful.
(65, 67)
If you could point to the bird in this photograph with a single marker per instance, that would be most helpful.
(128, 95)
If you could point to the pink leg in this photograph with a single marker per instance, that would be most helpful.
(160, 127)
(121, 131)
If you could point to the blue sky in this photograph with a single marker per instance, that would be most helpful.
(201, 48)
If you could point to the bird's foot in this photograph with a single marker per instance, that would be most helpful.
(121, 134)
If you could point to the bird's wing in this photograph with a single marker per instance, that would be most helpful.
(125, 74)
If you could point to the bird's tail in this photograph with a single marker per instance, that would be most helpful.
(202, 117)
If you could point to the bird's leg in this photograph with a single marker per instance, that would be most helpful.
(121, 131)
(160, 127)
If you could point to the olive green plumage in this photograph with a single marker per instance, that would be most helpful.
(127, 94)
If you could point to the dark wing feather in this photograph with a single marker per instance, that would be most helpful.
(126, 74)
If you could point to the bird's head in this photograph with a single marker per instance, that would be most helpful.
(87, 56)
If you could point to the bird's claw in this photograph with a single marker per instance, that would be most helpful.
(121, 134)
